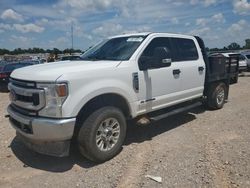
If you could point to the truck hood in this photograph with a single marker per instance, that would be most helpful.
(52, 71)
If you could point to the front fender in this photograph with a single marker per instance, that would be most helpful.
(80, 96)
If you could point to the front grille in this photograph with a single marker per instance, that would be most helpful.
(29, 99)
(25, 97)
(22, 83)
(23, 111)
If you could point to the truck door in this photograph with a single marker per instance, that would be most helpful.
(159, 86)
(192, 67)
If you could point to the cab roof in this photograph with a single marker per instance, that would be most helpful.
(148, 33)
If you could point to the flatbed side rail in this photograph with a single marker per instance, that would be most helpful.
(223, 68)
(219, 67)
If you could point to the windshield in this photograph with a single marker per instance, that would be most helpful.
(248, 56)
(121, 48)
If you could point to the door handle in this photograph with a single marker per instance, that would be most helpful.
(201, 69)
(176, 71)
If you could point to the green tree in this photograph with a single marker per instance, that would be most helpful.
(68, 51)
(4, 51)
(48, 51)
(36, 50)
(247, 45)
(214, 49)
(56, 51)
(234, 46)
(225, 48)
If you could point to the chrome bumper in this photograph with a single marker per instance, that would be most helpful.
(43, 132)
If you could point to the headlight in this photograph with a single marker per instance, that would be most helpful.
(55, 95)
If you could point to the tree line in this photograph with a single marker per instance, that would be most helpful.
(38, 50)
(232, 46)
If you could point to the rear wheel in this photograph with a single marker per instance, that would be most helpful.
(102, 134)
(216, 96)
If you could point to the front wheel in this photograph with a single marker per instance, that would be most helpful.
(102, 134)
(216, 95)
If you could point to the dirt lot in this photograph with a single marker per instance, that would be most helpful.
(196, 149)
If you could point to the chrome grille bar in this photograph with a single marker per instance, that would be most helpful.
(22, 83)
(16, 90)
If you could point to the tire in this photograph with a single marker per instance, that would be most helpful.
(102, 134)
(216, 96)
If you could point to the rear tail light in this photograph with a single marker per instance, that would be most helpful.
(2, 75)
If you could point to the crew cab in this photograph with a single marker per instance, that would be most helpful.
(133, 76)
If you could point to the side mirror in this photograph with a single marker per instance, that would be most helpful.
(161, 57)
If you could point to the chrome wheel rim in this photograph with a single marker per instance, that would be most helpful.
(220, 96)
(107, 134)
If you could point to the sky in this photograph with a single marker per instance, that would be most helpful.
(47, 23)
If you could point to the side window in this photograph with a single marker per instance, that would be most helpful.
(242, 58)
(149, 52)
(185, 49)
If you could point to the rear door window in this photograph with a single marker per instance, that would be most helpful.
(185, 49)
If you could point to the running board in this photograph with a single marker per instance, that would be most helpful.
(176, 111)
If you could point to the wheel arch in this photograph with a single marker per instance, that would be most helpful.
(107, 99)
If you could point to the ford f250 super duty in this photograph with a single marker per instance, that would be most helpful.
(152, 75)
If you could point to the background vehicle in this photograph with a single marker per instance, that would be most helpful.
(242, 63)
(246, 56)
(33, 62)
(2, 63)
(7, 69)
(142, 75)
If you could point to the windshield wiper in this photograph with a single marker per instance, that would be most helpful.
(95, 58)
(99, 58)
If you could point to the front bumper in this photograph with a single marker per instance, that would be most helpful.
(43, 135)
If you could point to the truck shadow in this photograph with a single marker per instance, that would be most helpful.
(135, 134)
(48, 163)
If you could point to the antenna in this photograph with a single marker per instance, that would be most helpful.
(72, 36)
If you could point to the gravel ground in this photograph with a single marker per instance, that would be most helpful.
(196, 149)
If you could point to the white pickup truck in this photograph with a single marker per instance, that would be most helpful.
(123, 77)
